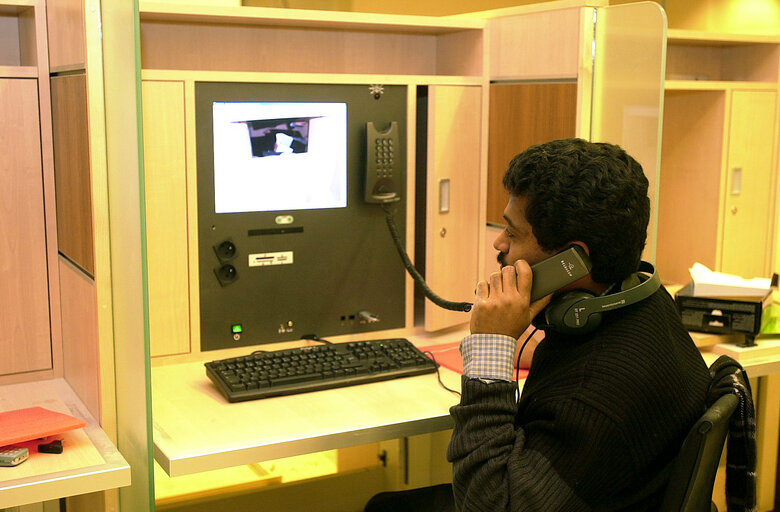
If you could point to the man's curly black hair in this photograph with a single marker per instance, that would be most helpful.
(584, 191)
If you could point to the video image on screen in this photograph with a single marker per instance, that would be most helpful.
(274, 156)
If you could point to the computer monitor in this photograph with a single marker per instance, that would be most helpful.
(288, 245)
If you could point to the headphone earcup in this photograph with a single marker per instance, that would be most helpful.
(555, 314)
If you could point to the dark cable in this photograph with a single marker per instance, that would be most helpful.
(517, 364)
(314, 337)
(442, 303)
(438, 375)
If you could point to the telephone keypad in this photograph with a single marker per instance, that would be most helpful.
(383, 148)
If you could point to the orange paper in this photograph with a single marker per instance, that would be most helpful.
(33, 423)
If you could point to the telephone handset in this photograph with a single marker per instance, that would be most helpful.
(558, 271)
(382, 167)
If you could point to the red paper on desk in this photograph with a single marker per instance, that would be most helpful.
(448, 356)
(33, 423)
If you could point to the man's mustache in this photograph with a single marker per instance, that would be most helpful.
(500, 257)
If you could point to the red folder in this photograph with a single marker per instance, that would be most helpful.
(33, 423)
(448, 356)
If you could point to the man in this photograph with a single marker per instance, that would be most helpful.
(601, 414)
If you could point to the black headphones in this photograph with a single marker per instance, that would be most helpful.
(579, 311)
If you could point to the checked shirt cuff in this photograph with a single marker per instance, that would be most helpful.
(488, 357)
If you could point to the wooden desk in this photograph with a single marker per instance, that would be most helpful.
(89, 462)
(196, 429)
(759, 361)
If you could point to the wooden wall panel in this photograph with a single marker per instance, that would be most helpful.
(81, 366)
(284, 49)
(72, 170)
(542, 45)
(166, 217)
(522, 115)
(689, 188)
(66, 34)
(25, 343)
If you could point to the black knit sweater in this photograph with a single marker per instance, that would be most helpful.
(598, 422)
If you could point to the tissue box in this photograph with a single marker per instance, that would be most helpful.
(721, 315)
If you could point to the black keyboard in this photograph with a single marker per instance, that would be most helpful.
(304, 369)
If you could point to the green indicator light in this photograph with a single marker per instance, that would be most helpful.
(237, 329)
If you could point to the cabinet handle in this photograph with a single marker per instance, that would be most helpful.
(444, 195)
(733, 210)
(736, 181)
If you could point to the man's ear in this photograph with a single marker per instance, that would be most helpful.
(581, 244)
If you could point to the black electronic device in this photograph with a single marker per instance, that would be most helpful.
(266, 374)
(721, 315)
(287, 243)
(560, 270)
(381, 164)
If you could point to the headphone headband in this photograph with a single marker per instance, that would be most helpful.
(625, 297)
(579, 312)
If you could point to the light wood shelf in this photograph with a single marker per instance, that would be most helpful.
(699, 56)
(716, 85)
(276, 17)
(306, 78)
(89, 463)
(260, 39)
(18, 72)
(702, 37)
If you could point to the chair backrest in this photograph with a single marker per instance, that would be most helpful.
(693, 472)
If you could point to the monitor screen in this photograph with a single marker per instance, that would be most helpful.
(271, 156)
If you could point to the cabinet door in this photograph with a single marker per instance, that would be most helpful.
(747, 212)
(24, 298)
(452, 217)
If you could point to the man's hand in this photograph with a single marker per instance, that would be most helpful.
(502, 305)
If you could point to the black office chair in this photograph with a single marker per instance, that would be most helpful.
(693, 472)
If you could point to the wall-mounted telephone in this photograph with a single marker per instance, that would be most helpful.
(382, 168)
(382, 173)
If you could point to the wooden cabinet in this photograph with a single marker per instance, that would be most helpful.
(29, 303)
(719, 154)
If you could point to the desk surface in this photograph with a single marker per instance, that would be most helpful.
(89, 462)
(196, 429)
